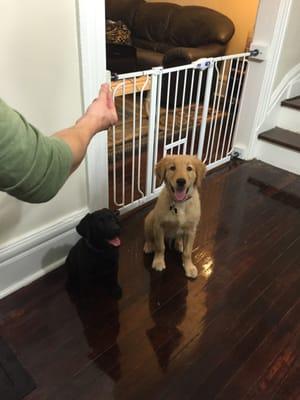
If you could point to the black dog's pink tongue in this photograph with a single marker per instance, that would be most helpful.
(116, 242)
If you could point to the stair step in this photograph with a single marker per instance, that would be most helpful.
(282, 137)
(289, 119)
(294, 102)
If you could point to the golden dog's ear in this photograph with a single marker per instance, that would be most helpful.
(160, 169)
(200, 168)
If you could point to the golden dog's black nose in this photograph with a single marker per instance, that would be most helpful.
(180, 182)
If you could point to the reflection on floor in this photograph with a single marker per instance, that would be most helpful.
(233, 333)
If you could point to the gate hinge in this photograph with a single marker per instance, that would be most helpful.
(254, 53)
(234, 155)
(203, 63)
(114, 77)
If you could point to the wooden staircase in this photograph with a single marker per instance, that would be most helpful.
(280, 145)
(282, 137)
(292, 103)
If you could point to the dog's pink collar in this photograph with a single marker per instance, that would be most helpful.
(173, 207)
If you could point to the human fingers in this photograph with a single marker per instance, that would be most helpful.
(109, 100)
(103, 92)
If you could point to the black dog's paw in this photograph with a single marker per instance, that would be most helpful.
(116, 292)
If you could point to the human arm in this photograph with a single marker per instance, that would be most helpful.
(33, 167)
(100, 115)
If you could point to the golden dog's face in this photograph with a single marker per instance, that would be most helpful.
(180, 174)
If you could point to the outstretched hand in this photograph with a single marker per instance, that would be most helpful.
(101, 114)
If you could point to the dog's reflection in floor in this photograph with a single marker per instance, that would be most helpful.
(165, 336)
(99, 314)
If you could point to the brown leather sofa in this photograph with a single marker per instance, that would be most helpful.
(168, 34)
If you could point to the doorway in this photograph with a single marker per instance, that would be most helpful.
(272, 17)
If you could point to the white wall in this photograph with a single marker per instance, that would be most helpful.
(40, 77)
(41, 70)
(290, 53)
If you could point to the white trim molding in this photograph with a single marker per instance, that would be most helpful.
(271, 24)
(92, 47)
(288, 87)
(272, 65)
(34, 255)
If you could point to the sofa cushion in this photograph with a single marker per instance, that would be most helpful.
(186, 55)
(120, 58)
(204, 26)
(152, 21)
(188, 26)
(121, 10)
(147, 59)
(151, 45)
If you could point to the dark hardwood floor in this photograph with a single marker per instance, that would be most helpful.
(234, 333)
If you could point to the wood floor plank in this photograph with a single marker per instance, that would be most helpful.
(166, 328)
(289, 388)
(168, 337)
(216, 344)
(264, 356)
(277, 372)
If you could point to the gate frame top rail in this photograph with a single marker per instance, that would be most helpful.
(202, 63)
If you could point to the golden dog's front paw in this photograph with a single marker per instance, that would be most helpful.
(159, 264)
(191, 271)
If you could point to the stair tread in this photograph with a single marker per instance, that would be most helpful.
(294, 103)
(282, 137)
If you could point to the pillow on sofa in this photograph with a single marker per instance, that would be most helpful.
(117, 33)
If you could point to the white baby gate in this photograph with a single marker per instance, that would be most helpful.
(190, 109)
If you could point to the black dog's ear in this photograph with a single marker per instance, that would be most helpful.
(84, 226)
(117, 213)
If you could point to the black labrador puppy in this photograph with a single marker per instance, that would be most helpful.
(94, 258)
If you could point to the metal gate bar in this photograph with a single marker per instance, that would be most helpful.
(190, 109)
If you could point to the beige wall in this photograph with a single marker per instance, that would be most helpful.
(40, 77)
(290, 53)
(242, 13)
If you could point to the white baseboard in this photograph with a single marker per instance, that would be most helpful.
(33, 256)
(278, 156)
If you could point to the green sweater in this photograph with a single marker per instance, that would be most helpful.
(33, 167)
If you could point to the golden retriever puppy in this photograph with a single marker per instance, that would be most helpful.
(177, 211)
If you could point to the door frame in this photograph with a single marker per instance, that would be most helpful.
(270, 28)
(92, 53)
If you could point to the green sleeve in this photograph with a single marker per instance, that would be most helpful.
(33, 167)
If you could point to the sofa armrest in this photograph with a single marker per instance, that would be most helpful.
(186, 55)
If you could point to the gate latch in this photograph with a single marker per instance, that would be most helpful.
(202, 63)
